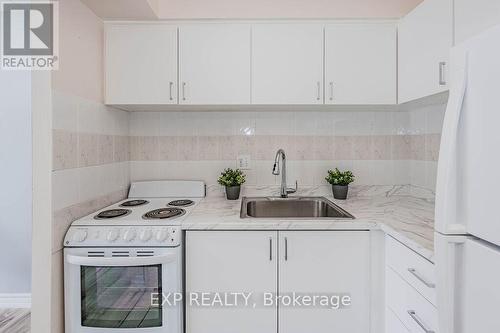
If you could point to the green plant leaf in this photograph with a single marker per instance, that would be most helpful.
(230, 177)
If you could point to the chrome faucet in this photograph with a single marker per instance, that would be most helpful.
(284, 191)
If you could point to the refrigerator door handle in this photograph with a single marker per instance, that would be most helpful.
(446, 186)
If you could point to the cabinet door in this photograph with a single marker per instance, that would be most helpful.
(475, 16)
(287, 64)
(141, 64)
(424, 41)
(231, 261)
(360, 63)
(325, 263)
(214, 64)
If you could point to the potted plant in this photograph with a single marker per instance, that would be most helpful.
(232, 180)
(340, 181)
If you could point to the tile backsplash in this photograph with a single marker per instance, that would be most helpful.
(98, 150)
(382, 148)
(90, 143)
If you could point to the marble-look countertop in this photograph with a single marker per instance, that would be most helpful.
(404, 212)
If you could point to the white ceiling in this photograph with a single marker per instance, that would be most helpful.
(250, 9)
(124, 9)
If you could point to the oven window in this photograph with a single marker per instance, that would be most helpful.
(120, 297)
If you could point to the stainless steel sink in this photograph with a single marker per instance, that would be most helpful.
(292, 208)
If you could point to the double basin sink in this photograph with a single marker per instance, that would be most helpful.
(306, 208)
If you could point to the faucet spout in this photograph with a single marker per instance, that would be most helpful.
(284, 190)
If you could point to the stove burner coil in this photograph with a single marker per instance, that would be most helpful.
(164, 213)
(181, 203)
(134, 203)
(112, 213)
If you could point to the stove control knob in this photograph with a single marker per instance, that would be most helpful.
(162, 235)
(113, 235)
(145, 235)
(79, 236)
(129, 235)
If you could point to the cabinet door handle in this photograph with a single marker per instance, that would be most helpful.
(183, 91)
(331, 91)
(286, 248)
(319, 91)
(442, 79)
(419, 322)
(414, 272)
(171, 84)
(270, 249)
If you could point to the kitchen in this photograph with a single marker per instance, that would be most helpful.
(153, 100)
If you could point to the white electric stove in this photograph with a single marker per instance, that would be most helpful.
(120, 259)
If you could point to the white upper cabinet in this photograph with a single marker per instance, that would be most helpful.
(141, 64)
(475, 16)
(360, 63)
(287, 63)
(425, 39)
(214, 64)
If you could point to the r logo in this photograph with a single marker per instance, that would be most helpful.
(28, 29)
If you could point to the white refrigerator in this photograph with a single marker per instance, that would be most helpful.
(467, 220)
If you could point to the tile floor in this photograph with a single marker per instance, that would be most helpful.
(15, 320)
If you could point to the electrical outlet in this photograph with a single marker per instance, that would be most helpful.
(244, 162)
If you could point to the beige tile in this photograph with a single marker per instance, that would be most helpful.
(432, 144)
(169, 148)
(228, 146)
(105, 146)
(401, 147)
(343, 148)
(418, 147)
(208, 148)
(304, 148)
(245, 144)
(121, 148)
(382, 147)
(362, 147)
(65, 150)
(188, 148)
(265, 147)
(87, 149)
(134, 142)
(149, 149)
(323, 148)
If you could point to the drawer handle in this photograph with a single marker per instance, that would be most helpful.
(442, 80)
(413, 272)
(270, 249)
(419, 322)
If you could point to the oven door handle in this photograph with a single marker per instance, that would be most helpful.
(120, 261)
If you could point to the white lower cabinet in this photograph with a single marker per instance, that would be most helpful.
(322, 263)
(231, 261)
(409, 295)
(393, 324)
(325, 263)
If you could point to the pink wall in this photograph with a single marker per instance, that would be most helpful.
(194, 9)
(80, 52)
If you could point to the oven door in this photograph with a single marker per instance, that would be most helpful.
(115, 290)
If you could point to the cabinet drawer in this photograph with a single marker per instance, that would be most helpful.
(414, 311)
(413, 268)
(392, 323)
